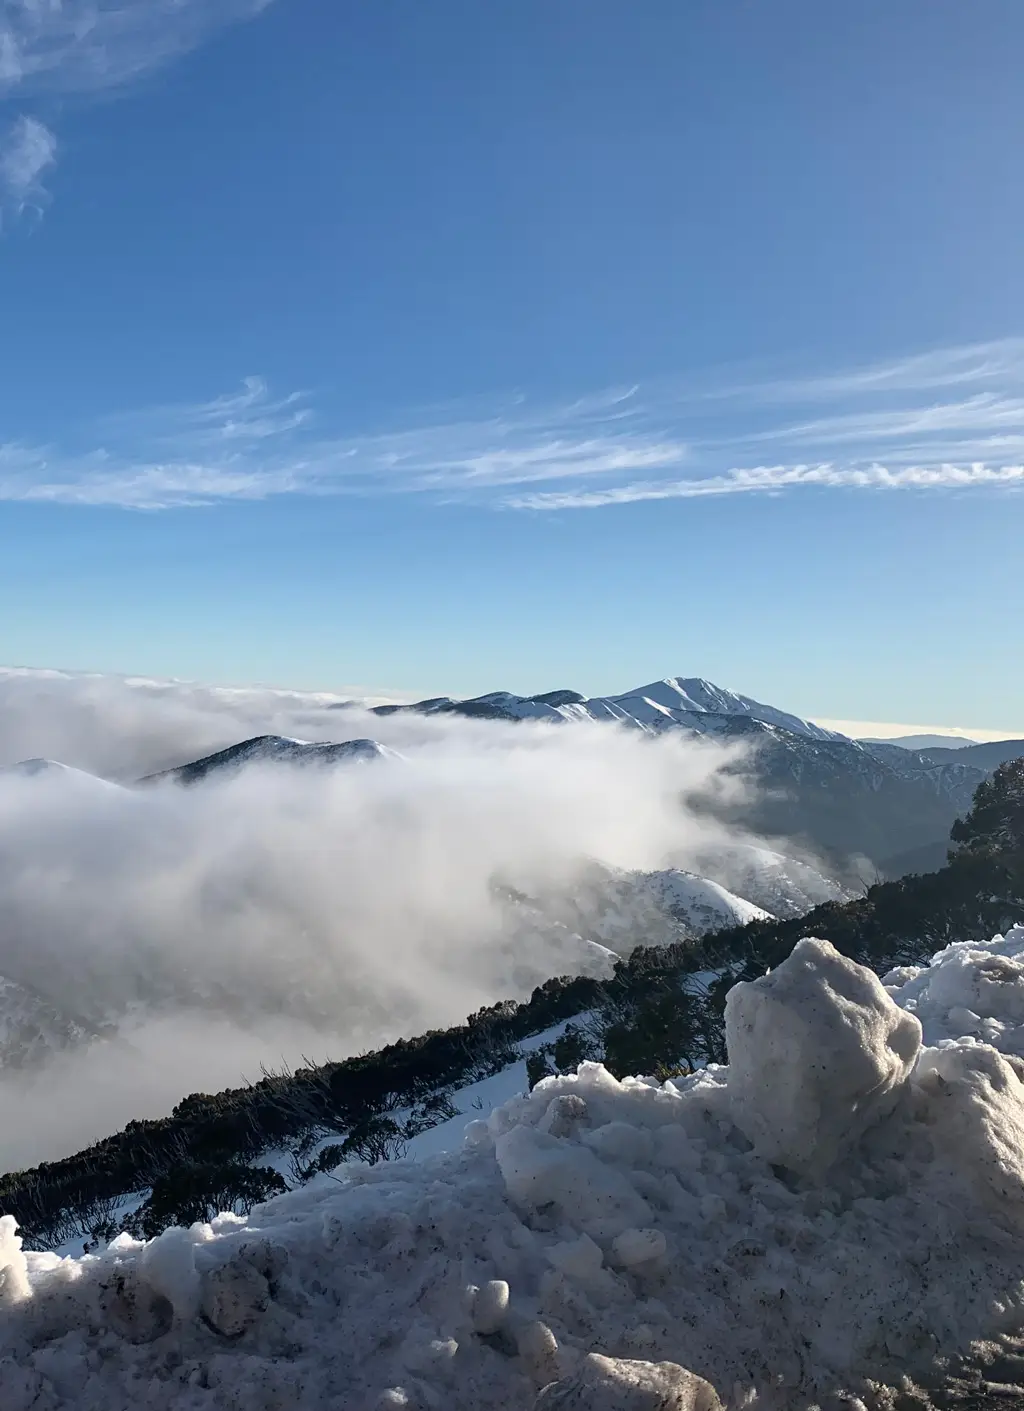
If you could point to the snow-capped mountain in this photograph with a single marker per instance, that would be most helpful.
(675, 700)
(828, 794)
(274, 749)
(862, 807)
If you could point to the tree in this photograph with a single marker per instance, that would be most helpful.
(995, 823)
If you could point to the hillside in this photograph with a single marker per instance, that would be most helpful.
(846, 1231)
(660, 1009)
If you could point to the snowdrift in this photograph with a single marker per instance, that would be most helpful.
(839, 1204)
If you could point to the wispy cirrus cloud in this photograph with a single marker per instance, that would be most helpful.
(87, 46)
(947, 421)
(27, 149)
(50, 49)
(774, 479)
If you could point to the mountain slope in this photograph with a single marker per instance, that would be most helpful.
(781, 886)
(273, 749)
(988, 755)
(918, 742)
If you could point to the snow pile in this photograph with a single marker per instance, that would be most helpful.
(972, 988)
(817, 1056)
(613, 1246)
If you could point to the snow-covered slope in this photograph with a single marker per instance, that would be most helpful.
(32, 1029)
(781, 885)
(595, 1236)
(52, 771)
(623, 909)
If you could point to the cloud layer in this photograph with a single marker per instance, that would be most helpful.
(290, 912)
(950, 421)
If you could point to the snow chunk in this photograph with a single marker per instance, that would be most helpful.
(580, 1259)
(612, 1384)
(635, 1248)
(489, 1306)
(976, 1102)
(818, 1052)
(169, 1267)
(541, 1170)
(14, 1283)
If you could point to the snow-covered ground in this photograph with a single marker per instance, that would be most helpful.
(838, 1204)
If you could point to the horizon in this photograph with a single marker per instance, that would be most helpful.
(863, 730)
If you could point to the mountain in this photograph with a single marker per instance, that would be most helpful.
(988, 755)
(919, 742)
(273, 749)
(51, 770)
(675, 700)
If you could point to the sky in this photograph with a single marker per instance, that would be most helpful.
(449, 348)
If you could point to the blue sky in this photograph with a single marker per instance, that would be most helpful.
(452, 347)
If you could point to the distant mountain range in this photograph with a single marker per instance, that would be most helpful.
(866, 807)
(919, 742)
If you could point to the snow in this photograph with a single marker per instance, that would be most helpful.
(675, 700)
(971, 988)
(818, 1052)
(781, 885)
(616, 1384)
(618, 907)
(597, 1243)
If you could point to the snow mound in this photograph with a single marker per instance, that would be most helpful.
(602, 1244)
(818, 1052)
(972, 988)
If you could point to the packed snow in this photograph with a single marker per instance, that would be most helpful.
(603, 1244)
(970, 991)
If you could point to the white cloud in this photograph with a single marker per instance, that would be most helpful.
(885, 428)
(893, 730)
(27, 149)
(772, 479)
(57, 47)
(87, 46)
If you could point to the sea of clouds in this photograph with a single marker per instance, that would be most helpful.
(277, 913)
